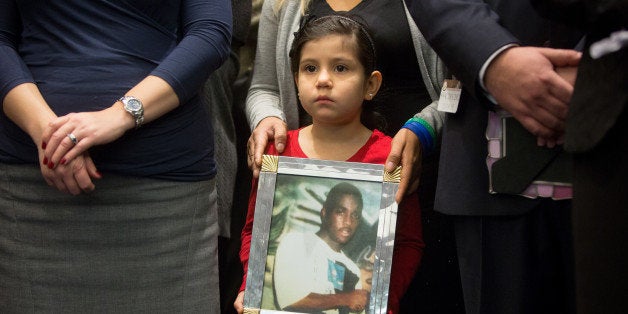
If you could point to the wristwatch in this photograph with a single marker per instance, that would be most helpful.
(134, 107)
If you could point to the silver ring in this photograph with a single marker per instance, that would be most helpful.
(72, 138)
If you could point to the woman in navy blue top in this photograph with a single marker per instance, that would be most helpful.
(100, 101)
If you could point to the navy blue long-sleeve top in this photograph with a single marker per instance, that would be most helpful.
(84, 55)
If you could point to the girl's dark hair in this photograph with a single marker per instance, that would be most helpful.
(313, 28)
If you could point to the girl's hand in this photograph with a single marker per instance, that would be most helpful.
(238, 304)
(87, 128)
(74, 177)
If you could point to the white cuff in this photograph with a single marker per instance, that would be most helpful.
(488, 62)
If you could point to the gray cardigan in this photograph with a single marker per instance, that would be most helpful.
(272, 91)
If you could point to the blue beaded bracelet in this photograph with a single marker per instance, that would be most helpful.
(425, 124)
(422, 133)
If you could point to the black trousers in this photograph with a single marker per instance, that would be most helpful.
(517, 264)
(600, 216)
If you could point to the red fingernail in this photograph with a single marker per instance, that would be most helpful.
(51, 165)
(43, 145)
(62, 161)
(45, 161)
(98, 173)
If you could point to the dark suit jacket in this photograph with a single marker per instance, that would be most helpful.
(600, 96)
(601, 90)
(465, 34)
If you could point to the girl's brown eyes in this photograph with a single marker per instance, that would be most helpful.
(341, 68)
(312, 68)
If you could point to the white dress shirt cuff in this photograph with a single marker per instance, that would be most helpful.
(485, 66)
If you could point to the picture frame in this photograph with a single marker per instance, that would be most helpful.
(290, 196)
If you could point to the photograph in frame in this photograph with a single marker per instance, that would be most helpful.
(322, 227)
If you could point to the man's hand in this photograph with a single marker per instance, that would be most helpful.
(357, 300)
(269, 129)
(405, 149)
(568, 73)
(523, 82)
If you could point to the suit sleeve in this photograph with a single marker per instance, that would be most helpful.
(464, 33)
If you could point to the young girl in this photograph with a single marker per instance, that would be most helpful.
(333, 61)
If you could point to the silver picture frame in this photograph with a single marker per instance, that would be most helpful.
(289, 193)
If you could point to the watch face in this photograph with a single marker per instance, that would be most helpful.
(133, 105)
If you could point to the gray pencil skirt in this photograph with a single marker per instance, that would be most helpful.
(134, 245)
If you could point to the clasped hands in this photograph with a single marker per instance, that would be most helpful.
(535, 85)
(67, 165)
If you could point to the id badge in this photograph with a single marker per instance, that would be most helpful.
(450, 96)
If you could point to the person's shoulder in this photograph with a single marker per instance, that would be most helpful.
(380, 138)
(291, 236)
(299, 240)
(291, 137)
(377, 147)
(375, 150)
(293, 148)
(292, 239)
(345, 259)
